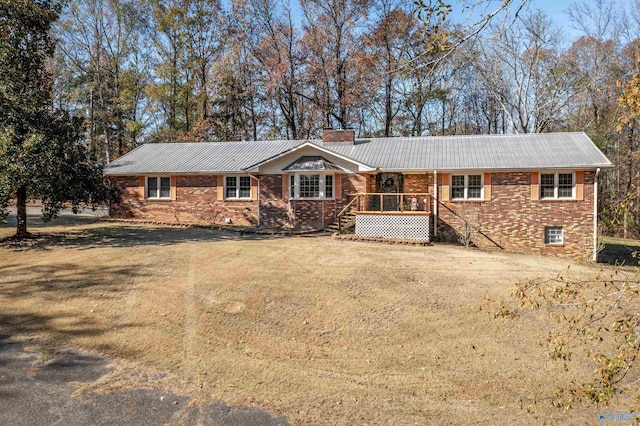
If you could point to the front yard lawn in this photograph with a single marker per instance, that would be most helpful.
(319, 330)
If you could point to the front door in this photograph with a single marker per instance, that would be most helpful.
(387, 183)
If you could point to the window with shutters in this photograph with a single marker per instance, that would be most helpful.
(557, 186)
(237, 187)
(158, 187)
(466, 187)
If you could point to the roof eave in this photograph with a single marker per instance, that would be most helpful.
(174, 173)
(496, 169)
(256, 167)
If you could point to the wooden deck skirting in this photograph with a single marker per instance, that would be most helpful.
(396, 213)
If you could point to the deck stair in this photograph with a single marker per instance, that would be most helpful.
(346, 222)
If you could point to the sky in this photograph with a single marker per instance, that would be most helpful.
(554, 8)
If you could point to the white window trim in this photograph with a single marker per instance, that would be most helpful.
(556, 184)
(237, 197)
(157, 197)
(295, 194)
(561, 242)
(466, 187)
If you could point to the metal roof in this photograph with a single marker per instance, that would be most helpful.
(486, 152)
(509, 152)
(310, 163)
(201, 157)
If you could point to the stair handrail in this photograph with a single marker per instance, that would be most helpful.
(345, 209)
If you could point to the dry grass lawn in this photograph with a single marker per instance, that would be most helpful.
(320, 330)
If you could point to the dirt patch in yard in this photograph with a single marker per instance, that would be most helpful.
(313, 328)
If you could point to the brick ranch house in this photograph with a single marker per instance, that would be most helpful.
(534, 193)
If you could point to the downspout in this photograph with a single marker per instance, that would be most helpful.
(435, 203)
(258, 198)
(595, 216)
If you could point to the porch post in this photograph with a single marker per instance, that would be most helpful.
(595, 216)
(435, 203)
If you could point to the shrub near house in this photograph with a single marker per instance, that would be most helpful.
(534, 193)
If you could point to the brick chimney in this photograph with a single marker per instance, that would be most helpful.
(338, 136)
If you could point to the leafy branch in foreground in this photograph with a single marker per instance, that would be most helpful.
(598, 318)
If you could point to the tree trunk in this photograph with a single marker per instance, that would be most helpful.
(21, 204)
(92, 125)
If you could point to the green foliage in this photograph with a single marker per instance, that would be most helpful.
(41, 150)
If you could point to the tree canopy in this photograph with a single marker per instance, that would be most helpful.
(41, 150)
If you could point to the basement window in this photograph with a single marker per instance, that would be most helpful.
(159, 187)
(553, 235)
(466, 187)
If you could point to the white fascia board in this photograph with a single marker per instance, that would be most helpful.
(361, 167)
(199, 173)
(490, 170)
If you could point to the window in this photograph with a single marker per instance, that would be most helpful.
(565, 185)
(231, 190)
(547, 185)
(158, 187)
(556, 185)
(474, 186)
(466, 187)
(307, 186)
(553, 235)
(237, 187)
(328, 186)
(457, 187)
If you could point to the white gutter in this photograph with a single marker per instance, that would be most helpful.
(258, 198)
(595, 216)
(435, 203)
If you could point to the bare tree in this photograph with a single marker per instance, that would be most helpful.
(277, 47)
(526, 75)
(103, 70)
(389, 44)
(335, 64)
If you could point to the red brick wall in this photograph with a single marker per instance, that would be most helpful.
(309, 214)
(352, 183)
(129, 197)
(512, 220)
(274, 211)
(196, 202)
(418, 183)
